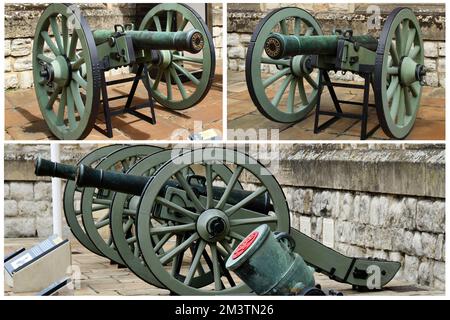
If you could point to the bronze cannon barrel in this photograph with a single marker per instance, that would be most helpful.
(279, 45)
(86, 176)
(191, 41)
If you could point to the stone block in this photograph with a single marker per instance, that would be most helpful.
(18, 227)
(43, 191)
(20, 47)
(430, 216)
(21, 190)
(425, 273)
(29, 208)
(11, 80)
(23, 63)
(25, 79)
(430, 64)
(430, 49)
(236, 52)
(233, 40)
(411, 268)
(10, 207)
(44, 226)
(7, 47)
(441, 49)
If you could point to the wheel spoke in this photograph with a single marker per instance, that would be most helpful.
(408, 101)
(410, 41)
(209, 186)
(216, 268)
(275, 77)
(50, 43)
(169, 21)
(415, 89)
(180, 86)
(157, 23)
(277, 98)
(183, 24)
(392, 88)
(168, 84)
(401, 109)
(178, 249)
(232, 210)
(394, 54)
(186, 73)
(191, 194)
(236, 236)
(102, 223)
(157, 80)
(280, 62)
(56, 34)
(414, 52)
(177, 57)
(311, 82)
(77, 98)
(291, 96)
(162, 241)
(44, 58)
(226, 246)
(52, 98)
(297, 26)
(73, 45)
(239, 222)
(65, 33)
(78, 63)
(77, 77)
(195, 262)
(131, 240)
(177, 208)
(71, 109)
(230, 186)
(173, 229)
(399, 41)
(283, 27)
(61, 109)
(395, 103)
(309, 31)
(302, 92)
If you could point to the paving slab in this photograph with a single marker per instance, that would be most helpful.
(99, 277)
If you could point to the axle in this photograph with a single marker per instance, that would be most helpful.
(86, 176)
(279, 45)
(191, 41)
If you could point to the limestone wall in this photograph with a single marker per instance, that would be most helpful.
(20, 25)
(243, 19)
(378, 200)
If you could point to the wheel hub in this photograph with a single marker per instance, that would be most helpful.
(301, 65)
(58, 71)
(213, 225)
(166, 59)
(410, 71)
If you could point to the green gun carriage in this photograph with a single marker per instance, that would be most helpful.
(172, 49)
(290, 44)
(173, 217)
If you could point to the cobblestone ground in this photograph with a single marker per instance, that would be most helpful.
(242, 114)
(23, 119)
(99, 277)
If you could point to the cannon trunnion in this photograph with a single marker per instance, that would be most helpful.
(288, 49)
(174, 217)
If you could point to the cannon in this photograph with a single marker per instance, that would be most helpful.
(289, 57)
(175, 216)
(172, 53)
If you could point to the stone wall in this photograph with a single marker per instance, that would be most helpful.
(377, 200)
(386, 203)
(20, 25)
(243, 19)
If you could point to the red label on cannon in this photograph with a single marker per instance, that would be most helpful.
(245, 244)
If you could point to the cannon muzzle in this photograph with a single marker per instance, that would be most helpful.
(191, 41)
(44, 167)
(278, 45)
